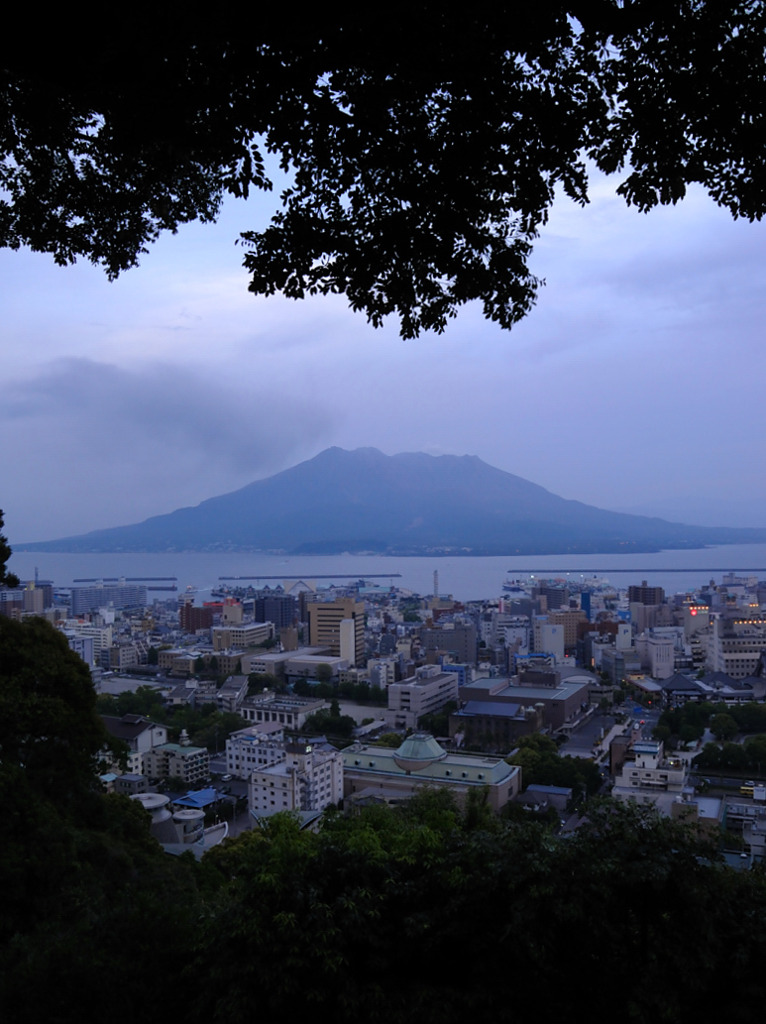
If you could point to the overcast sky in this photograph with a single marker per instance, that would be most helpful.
(635, 384)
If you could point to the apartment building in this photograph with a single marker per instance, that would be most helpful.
(307, 779)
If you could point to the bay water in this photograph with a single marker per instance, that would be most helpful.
(465, 578)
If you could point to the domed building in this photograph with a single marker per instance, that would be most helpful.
(381, 773)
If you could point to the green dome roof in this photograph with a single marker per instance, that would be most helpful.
(418, 751)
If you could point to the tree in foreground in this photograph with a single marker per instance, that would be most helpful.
(426, 913)
(7, 579)
(424, 152)
(421, 913)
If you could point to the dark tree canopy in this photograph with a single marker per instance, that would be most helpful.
(7, 579)
(425, 150)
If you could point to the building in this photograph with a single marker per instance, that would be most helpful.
(425, 692)
(651, 777)
(645, 594)
(549, 638)
(248, 750)
(250, 634)
(307, 779)
(286, 710)
(232, 693)
(657, 654)
(563, 699)
(178, 760)
(570, 619)
(281, 609)
(380, 773)
(122, 595)
(735, 645)
(82, 645)
(339, 626)
(193, 619)
(140, 736)
(100, 636)
(457, 638)
(494, 726)
(306, 666)
(554, 595)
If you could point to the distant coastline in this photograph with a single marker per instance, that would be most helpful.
(466, 577)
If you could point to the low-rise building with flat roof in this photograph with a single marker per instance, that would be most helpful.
(562, 699)
(288, 710)
(372, 773)
(422, 694)
(492, 725)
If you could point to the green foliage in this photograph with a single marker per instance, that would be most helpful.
(145, 700)
(205, 725)
(748, 757)
(81, 878)
(381, 906)
(684, 724)
(421, 913)
(389, 739)
(723, 726)
(330, 722)
(48, 721)
(668, 96)
(541, 763)
(7, 579)
(750, 717)
(258, 681)
(323, 673)
(437, 723)
(362, 693)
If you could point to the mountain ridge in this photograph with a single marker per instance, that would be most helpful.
(409, 503)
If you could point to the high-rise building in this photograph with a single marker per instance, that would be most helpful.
(281, 609)
(327, 628)
(645, 594)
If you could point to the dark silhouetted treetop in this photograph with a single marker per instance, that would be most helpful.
(424, 150)
(49, 728)
(7, 579)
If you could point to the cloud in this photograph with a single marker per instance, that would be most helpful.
(116, 445)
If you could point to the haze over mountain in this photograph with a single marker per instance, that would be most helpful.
(410, 503)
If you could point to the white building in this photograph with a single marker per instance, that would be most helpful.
(101, 636)
(139, 734)
(651, 777)
(285, 709)
(549, 638)
(251, 749)
(735, 646)
(425, 692)
(308, 779)
(657, 653)
(382, 671)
